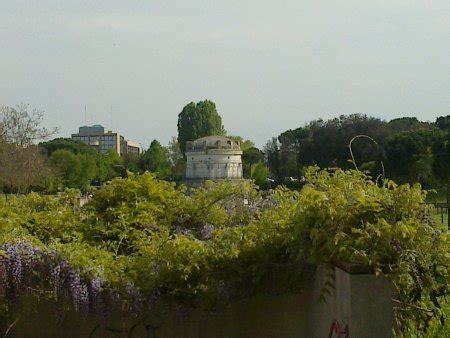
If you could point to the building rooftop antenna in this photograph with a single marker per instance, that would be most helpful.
(85, 116)
(111, 118)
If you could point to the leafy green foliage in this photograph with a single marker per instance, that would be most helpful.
(76, 165)
(73, 146)
(403, 124)
(273, 153)
(226, 239)
(443, 122)
(292, 148)
(244, 144)
(74, 170)
(386, 229)
(176, 160)
(412, 151)
(198, 120)
(441, 160)
(108, 164)
(260, 173)
(410, 156)
(250, 157)
(155, 159)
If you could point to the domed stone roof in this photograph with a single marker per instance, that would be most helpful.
(213, 142)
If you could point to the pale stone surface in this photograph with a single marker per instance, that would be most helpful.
(213, 157)
(360, 304)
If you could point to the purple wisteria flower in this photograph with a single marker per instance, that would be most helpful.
(77, 288)
(95, 287)
(205, 232)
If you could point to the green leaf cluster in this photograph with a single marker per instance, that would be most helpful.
(198, 120)
(210, 244)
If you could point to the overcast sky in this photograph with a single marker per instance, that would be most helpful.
(268, 65)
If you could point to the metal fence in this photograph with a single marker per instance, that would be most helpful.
(441, 212)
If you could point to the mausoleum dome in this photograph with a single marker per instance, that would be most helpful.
(213, 157)
(213, 142)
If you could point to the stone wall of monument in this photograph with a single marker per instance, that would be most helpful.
(213, 165)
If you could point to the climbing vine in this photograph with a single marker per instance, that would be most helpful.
(142, 241)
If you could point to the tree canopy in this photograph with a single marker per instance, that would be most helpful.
(22, 125)
(155, 159)
(22, 164)
(21, 168)
(73, 170)
(198, 120)
(73, 146)
(405, 149)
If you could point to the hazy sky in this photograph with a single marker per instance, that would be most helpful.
(268, 65)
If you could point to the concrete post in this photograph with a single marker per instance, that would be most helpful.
(360, 306)
(365, 304)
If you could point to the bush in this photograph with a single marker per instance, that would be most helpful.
(141, 237)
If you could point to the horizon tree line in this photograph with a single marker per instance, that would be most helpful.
(404, 149)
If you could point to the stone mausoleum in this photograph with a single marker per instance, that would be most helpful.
(213, 157)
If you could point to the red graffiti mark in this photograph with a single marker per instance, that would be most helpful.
(336, 331)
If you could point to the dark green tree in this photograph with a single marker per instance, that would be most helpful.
(259, 173)
(441, 161)
(329, 141)
(74, 170)
(108, 165)
(176, 159)
(408, 124)
(273, 155)
(245, 144)
(155, 159)
(292, 144)
(74, 146)
(409, 157)
(132, 163)
(250, 157)
(411, 150)
(443, 122)
(326, 144)
(198, 120)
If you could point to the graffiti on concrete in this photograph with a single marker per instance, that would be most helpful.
(338, 331)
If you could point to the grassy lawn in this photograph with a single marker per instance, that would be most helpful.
(438, 330)
(438, 217)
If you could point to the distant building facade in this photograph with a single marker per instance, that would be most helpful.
(213, 157)
(133, 147)
(96, 137)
